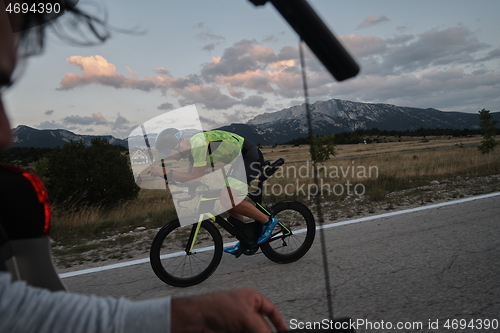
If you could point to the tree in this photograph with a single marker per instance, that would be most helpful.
(488, 128)
(95, 175)
(323, 147)
(42, 170)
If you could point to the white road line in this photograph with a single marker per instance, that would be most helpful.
(406, 211)
(326, 226)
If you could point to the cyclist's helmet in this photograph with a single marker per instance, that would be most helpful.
(167, 140)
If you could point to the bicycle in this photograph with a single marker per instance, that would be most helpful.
(184, 256)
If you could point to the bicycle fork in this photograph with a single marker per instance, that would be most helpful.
(194, 233)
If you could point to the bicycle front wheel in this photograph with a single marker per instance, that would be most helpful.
(173, 260)
(294, 234)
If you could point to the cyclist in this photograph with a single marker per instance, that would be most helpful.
(212, 147)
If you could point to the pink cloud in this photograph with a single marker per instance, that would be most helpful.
(97, 70)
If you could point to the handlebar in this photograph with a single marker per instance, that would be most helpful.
(191, 190)
(271, 168)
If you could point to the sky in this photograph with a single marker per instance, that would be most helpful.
(234, 61)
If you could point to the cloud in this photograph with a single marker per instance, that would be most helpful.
(221, 83)
(452, 89)
(254, 101)
(210, 96)
(372, 20)
(132, 73)
(406, 69)
(363, 46)
(494, 54)
(209, 47)
(208, 35)
(399, 39)
(409, 53)
(244, 56)
(224, 118)
(401, 28)
(247, 65)
(95, 119)
(166, 106)
(208, 123)
(50, 125)
(455, 45)
(119, 128)
(182, 83)
(199, 25)
(49, 112)
(443, 76)
(270, 39)
(97, 70)
(120, 123)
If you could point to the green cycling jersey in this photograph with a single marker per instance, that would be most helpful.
(220, 146)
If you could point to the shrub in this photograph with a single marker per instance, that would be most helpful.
(377, 194)
(323, 148)
(488, 127)
(90, 176)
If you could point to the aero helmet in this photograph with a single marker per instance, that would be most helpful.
(167, 140)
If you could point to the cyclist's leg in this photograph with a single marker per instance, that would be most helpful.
(253, 165)
(247, 209)
(232, 213)
(242, 208)
(239, 178)
(252, 158)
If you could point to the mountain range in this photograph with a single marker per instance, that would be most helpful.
(336, 116)
(25, 136)
(332, 116)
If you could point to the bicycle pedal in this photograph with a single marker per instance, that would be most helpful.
(251, 250)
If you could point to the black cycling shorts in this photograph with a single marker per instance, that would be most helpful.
(252, 160)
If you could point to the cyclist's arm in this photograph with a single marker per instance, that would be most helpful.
(179, 176)
(28, 309)
(192, 173)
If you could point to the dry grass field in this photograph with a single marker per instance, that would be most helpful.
(387, 167)
(360, 179)
(391, 145)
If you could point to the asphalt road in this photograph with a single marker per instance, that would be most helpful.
(429, 267)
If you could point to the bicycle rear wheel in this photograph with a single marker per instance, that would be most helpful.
(172, 261)
(293, 236)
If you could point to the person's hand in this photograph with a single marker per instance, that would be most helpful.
(234, 311)
(156, 171)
